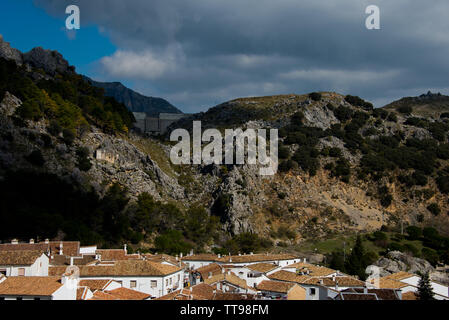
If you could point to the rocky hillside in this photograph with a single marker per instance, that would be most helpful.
(134, 101)
(344, 167)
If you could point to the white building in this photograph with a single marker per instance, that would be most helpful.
(23, 263)
(37, 288)
(200, 260)
(408, 282)
(149, 277)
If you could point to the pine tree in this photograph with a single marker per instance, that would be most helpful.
(425, 291)
(355, 264)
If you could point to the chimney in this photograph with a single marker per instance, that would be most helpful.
(177, 258)
(336, 285)
(47, 241)
(125, 248)
(191, 252)
(305, 260)
(210, 274)
(180, 255)
(14, 241)
(333, 278)
(219, 256)
(321, 282)
(71, 261)
(251, 253)
(31, 241)
(365, 289)
(61, 251)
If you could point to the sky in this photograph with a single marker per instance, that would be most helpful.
(199, 53)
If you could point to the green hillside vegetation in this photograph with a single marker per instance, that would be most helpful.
(67, 99)
(425, 243)
(416, 159)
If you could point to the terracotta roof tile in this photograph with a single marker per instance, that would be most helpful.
(382, 294)
(201, 257)
(115, 255)
(390, 284)
(288, 276)
(275, 286)
(359, 296)
(100, 295)
(81, 293)
(122, 268)
(399, 275)
(211, 269)
(95, 284)
(163, 258)
(262, 267)
(128, 294)
(255, 258)
(19, 258)
(409, 296)
(227, 277)
(312, 270)
(344, 281)
(200, 291)
(233, 296)
(30, 286)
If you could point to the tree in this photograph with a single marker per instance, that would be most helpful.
(358, 260)
(425, 291)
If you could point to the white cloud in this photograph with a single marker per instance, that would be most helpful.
(145, 65)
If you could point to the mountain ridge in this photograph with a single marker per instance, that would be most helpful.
(133, 100)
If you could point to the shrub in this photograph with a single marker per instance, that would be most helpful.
(283, 152)
(335, 152)
(357, 101)
(315, 96)
(36, 158)
(430, 255)
(443, 183)
(83, 162)
(408, 247)
(414, 233)
(405, 109)
(395, 246)
(68, 137)
(54, 128)
(287, 165)
(343, 113)
(392, 117)
(434, 209)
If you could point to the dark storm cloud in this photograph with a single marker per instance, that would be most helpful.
(197, 53)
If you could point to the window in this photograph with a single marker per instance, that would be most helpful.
(133, 284)
(166, 282)
(171, 279)
(179, 277)
(312, 291)
(21, 272)
(153, 283)
(3, 272)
